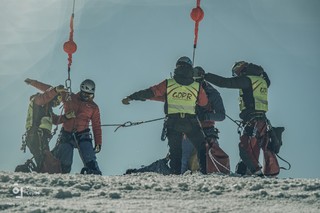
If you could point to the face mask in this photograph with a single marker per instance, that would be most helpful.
(86, 96)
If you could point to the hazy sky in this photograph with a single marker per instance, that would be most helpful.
(128, 45)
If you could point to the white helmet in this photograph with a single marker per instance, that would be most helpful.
(88, 86)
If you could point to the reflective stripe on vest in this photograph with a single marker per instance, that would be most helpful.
(259, 92)
(45, 122)
(181, 98)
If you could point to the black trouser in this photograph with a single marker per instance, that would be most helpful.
(190, 126)
(37, 141)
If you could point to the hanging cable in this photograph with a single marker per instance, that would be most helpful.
(197, 15)
(70, 47)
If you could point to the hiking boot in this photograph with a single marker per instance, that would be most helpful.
(241, 168)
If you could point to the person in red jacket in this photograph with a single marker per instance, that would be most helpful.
(75, 132)
(181, 95)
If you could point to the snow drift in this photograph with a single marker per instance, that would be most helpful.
(151, 192)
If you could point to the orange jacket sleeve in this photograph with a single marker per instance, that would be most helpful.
(159, 91)
(39, 85)
(96, 127)
(202, 97)
(46, 97)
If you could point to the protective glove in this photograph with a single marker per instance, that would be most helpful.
(60, 89)
(198, 72)
(28, 81)
(126, 100)
(97, 148)
(70, 115)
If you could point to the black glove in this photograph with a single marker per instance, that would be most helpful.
(198, 72)
(28, 81)
(126, 101)
(97, 148)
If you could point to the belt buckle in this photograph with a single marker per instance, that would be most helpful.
(182, 115)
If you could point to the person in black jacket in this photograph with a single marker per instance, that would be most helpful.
(253, 83)
(208, 115)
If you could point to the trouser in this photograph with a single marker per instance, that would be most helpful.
(187, 151)
(217, 160)
(37, 140)
(64, 150)
(254, 138)
(191, 128)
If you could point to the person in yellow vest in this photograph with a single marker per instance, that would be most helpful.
(181, 94)
(40, 118)
(253, 83)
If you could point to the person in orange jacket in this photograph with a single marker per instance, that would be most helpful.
(182, 94)
(75, 132)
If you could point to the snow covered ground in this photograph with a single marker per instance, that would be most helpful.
(150, 192)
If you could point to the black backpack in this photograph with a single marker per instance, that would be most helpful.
(275, 139)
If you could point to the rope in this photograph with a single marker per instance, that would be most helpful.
(238, 123)
(70, 47)
(289, 165)
(129, 123)
(197, 15)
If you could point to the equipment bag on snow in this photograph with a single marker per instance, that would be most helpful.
(159, 166)
(27, 167)
(275, 139)
(50, 164)
(217, 160)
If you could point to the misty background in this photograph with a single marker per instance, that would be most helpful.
(129, 45)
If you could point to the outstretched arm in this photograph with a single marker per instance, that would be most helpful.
(37, 84)
(241, 82)
(156, 92)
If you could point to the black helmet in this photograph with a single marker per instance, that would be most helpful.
(184, 60)
(88, 86)
(238, 67)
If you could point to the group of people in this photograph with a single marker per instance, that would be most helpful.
(192, 106)
(79, 111)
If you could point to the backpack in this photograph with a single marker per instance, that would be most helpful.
(275, 139)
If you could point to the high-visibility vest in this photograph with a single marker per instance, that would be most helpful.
(39, 116)
(256, 97)
(182, 98)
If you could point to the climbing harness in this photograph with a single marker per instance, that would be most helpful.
(129, 123)
(70, 47)
(197, 15)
